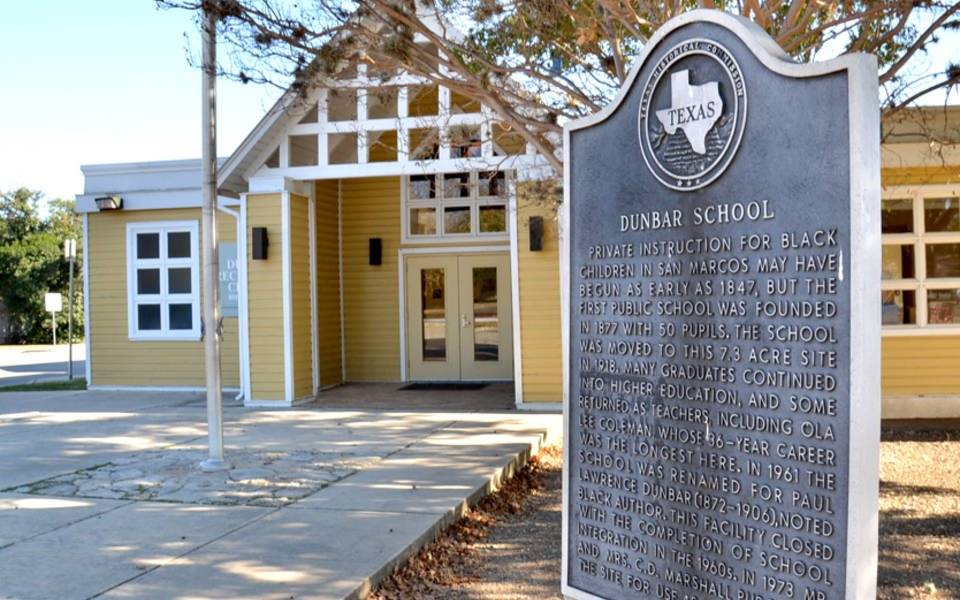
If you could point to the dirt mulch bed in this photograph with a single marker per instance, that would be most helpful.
(919, 514)
(509, 546)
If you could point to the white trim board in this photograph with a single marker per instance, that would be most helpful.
(155, 388)
(861, 69)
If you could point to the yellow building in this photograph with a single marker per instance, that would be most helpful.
(385, 231)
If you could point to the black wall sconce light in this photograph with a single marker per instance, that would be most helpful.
(109, 202)
(376, 251)
(536, 234)
(260, 243)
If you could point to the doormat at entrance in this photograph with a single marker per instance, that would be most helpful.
(444, 387)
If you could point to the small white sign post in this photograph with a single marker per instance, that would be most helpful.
(53, 302)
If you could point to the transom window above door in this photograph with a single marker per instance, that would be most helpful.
(163, 281)
(455, 206)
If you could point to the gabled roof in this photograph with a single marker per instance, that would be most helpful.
(265, 135)
(269, 132)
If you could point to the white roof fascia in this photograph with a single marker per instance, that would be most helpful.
(150, 200)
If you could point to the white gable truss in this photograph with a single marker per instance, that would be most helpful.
(364, 125)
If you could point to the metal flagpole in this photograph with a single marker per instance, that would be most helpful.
(208, 236)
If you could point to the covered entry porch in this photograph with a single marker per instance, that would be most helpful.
(392, 279)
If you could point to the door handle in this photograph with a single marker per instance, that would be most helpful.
(464, 321)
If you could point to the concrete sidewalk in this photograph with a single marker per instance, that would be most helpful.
(97, 502)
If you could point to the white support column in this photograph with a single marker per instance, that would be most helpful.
(312, 232)
(513, 223)
(87, 333)
(242, 301)
(287, 297)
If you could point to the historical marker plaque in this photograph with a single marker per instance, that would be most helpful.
(722, 325)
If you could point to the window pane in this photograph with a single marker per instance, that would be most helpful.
(433, 315)
(899, 307)
(148, 245)
(493, 184)
(943, 307)
(897, 216)
(456, 185)
(493, 219)
(941, 214)
(181, 316)
(486, 322)
(148, 281)
(148, 317)
(456, 219)
(423, 221)
(898, 262)
(178, 281)
(422, 187)
(178, 244)
(943, 260)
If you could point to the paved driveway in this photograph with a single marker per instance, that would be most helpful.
(29, 364)
(100, 496)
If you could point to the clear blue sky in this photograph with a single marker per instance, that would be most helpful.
(93, 81)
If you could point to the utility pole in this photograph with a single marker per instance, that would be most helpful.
(208, 236)
(70, 253)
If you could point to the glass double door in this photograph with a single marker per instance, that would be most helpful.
(459, 318)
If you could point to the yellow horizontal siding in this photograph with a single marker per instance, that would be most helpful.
(265, 285)
(539, 279)
(328, 282)
(927, 365)
(300, 296)
(920, 175)
(371, 208)
(114, 358)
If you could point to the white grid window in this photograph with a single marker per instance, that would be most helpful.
(921, 260)
(453, 206)
(163, 281)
